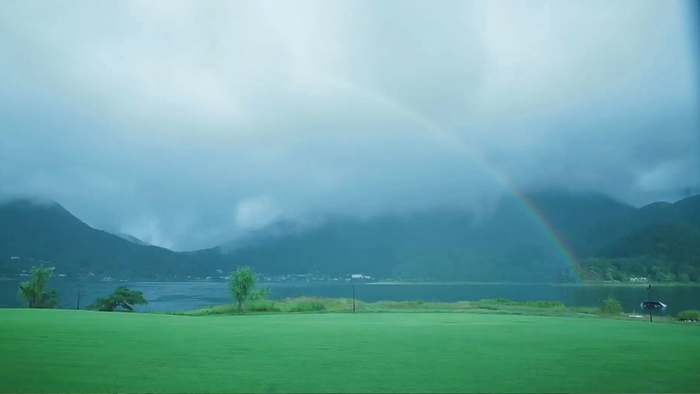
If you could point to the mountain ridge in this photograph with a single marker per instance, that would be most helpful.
(440, 244)
(49, 232)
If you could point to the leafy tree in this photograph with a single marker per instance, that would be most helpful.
(32, 291)
(260, 294)
(611, 306)
(122, 299)
(242, 284)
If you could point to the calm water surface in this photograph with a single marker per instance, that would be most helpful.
(181, 296)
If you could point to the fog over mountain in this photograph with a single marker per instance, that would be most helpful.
(186, 123)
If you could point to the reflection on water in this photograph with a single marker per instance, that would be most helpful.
(179, 296)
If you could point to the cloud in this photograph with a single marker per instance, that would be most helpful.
(187, 123)
(255, 213)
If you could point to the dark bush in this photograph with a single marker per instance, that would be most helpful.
(122, 299)
(689, 315)
(611, 306)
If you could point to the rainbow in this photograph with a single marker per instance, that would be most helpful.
(453, 141)
(565, 254)
(693, 17)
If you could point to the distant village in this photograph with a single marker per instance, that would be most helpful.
(311, 277)
(219, 276)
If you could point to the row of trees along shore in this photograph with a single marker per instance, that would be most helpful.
(35, 294)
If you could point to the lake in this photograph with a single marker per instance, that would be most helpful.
(181, 296)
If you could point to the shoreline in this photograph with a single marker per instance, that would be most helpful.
(631, 284)
(572, 284)
(397, 283)
(325, 305)
(465, 283)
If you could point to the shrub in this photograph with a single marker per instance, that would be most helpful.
(501, 303)
(611, 306)
(306, 306)
(122, 299)
(262, 293)
(261, 306)
(689, 315)
(544, 304)
(401, 304)
(493, 304)
(392, 304)
(209, 310)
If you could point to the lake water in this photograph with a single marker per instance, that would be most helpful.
(181, 296)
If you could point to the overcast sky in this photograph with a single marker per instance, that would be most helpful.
(185, 123)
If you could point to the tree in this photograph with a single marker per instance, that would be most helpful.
(122, 299)
(695, 274)
(260, 294)
(242, 283)
(32, 291)
(609, 275)
(611, 306)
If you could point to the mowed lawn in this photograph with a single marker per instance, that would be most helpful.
(79, 351)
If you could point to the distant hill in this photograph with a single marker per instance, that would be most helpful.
(131, 239)
(632, 221)
(677, 242)
(686, 211)
(444, 244)
(48, 232)
(660, 241)
(571, 216)
(610, 241)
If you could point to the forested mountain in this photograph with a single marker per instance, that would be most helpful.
(610, 241)
(48, 232)
(131, 239)
(660, 241)
(620, 226)
(510, 245)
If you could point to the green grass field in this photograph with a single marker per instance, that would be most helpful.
(79, 351)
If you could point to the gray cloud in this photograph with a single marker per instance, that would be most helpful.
(185, 123)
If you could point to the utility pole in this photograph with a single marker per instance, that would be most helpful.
(651, 319)
(353, 298)
(80, 287)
